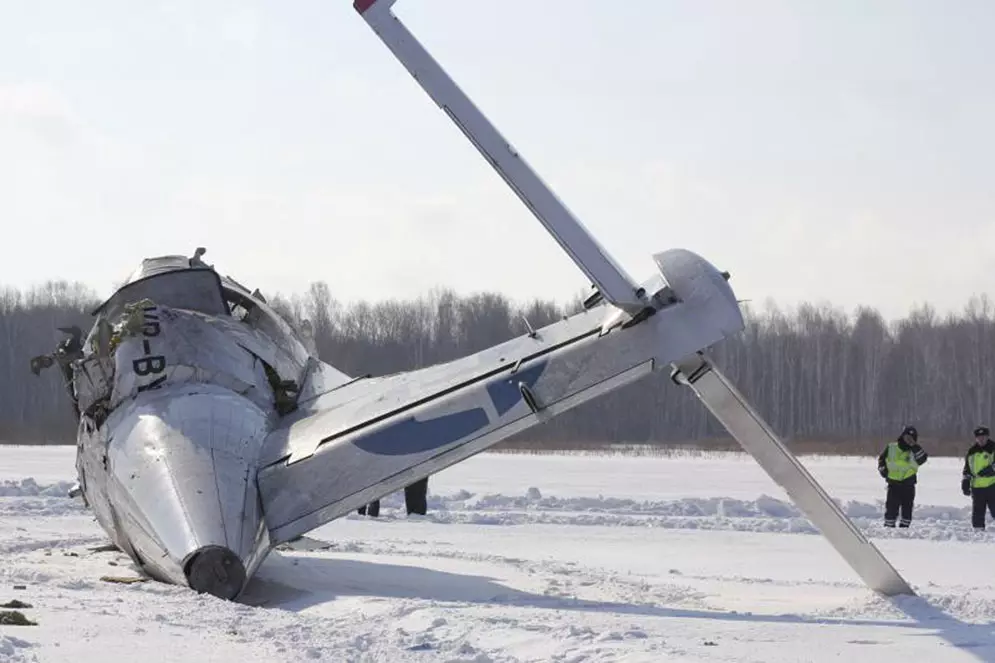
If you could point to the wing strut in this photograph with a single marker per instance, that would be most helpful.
(756, 437)
(611, 280)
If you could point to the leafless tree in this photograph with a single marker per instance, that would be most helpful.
(821, 376)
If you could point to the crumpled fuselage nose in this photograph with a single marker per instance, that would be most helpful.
(182, 465)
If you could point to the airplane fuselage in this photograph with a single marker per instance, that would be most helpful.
(209, 432)
(175, 405)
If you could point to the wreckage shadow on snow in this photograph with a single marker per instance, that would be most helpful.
(298, 582)
(977, 640)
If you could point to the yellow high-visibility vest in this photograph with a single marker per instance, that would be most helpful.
(979, 461)
(901, 464)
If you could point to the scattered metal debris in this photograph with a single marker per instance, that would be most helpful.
(108, 547)
(122, 580)
(15, 618)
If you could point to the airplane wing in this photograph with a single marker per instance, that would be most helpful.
(367, 438)
(370, 437)
(611, 280)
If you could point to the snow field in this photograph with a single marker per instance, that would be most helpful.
(525, 558)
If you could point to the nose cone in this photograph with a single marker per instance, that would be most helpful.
(182, 478)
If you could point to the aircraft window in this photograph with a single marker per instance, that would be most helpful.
(257, 314)
(191, 289)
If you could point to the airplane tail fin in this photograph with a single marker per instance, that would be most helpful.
(612, 282)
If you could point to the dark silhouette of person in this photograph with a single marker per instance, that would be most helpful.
(415, 500)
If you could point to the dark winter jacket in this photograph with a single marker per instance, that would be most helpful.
(918, 453)
(988, 446)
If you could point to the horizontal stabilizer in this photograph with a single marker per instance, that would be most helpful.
(756, 437)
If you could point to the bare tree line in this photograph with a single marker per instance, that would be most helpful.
(826, 380)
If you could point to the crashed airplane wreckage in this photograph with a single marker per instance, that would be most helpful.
(210, 432)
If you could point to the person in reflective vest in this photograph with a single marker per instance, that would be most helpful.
(979, 476)
(899, 465)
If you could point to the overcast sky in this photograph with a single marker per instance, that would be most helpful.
(823, 151)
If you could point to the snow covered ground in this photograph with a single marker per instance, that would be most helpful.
(525, 558)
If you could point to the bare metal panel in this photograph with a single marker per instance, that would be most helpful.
(181, 466)
(177, 347)
(93, 381)
(757, 438)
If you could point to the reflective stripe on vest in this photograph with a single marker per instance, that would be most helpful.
(901, 464)
(980, 461)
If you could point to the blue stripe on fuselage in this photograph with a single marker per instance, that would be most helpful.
(505, 392)
(410, 435)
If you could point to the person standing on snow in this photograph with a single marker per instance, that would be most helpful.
(979, 476)
(415, 500)
(416, 497)
(373, 508)
(899, 465)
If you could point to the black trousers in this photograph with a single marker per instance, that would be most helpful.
(416, 497)
(981, 499)
(901, 497)
(415, 500)
(373, 508)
